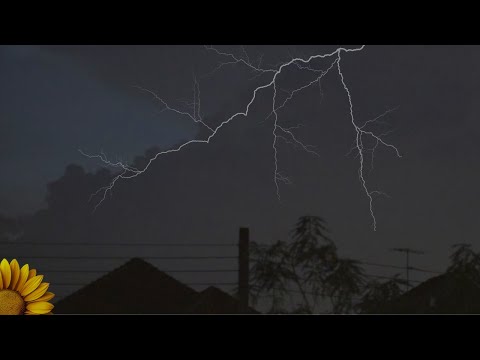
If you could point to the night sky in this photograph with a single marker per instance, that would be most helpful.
(55, 100)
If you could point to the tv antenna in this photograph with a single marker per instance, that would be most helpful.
(407, 252)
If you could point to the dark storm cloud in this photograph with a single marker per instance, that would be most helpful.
(50, 107)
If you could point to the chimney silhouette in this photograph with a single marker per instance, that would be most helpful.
(243, 269)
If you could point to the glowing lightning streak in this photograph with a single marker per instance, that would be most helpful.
(302, 64)
(359, 144)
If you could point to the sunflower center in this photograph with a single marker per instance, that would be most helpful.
(11, 303)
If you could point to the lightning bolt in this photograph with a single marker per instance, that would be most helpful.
(279, 132)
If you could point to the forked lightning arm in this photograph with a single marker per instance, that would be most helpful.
(279, 132)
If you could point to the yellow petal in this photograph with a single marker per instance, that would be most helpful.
(42, 307)
(32, 274)
(30, 313)
(23, 278)
(46, 297)
(6, 273)
(38, 292)
(1, 281)
(31, 285)
(15, 269)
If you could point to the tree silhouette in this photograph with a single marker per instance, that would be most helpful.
(377, 295)
(464, 270)
(307, 266)
(466, 262)
(464, 258)
(342, 284)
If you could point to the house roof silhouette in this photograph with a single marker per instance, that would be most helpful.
(449, 293)
(212, 300)
(138, 287)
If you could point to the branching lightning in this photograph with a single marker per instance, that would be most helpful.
(279, 132)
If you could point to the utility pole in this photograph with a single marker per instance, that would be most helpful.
(243, 269)
(407, 252)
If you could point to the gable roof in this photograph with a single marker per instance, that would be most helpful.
(212, 300)
(450, 293)
(136, 287)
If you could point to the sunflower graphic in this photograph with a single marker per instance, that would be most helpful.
(22, 291)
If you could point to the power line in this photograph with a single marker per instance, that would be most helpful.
(309, 293)
(390, 278)
(325, 295)
(426, 271)
(400, 267)
(198, 257)
(170, 271)
(125, 257)
(382, 265)
(189, 284)
(191, 245)
(190, 271)
(119, 244)
(397, 267)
